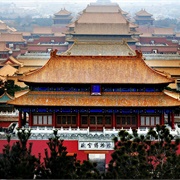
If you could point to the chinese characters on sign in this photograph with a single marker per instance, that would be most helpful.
(94, 145)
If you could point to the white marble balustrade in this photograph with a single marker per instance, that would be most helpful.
(140, 131)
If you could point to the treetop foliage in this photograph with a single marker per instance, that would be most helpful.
(150, 156)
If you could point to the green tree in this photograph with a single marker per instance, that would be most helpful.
(42, 21)
(17, 161)
(145, 156)
(129, 159)
(167, 22)
(11, 87)
(87, 170)
(61, 166)
(163, 152)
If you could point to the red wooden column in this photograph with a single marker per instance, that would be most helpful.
(20, 119)
(30, 119)
(172, 120)
(78, 119)
(54, 119)
(169, 118)
(162, 118)
(138, 120)
(114, 120)
(25, 119)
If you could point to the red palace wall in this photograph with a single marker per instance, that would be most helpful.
(156, 40)
(72, 147)
(4, 124)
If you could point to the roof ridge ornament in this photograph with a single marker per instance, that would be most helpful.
(138, 54)
(54, 53)
(124, 42)
(76, 40)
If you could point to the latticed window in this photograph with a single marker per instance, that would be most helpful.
(96, 120)
(66, 120)
(126, 121)
(147, 120)
(45, 120)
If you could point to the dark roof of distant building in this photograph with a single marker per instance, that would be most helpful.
(5, 97)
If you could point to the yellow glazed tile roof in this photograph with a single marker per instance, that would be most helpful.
(11, 37)
(163, 31)
(119, 48)
(102, 18)
(163, 63)
(120, 99)
(8, 70)
(63, 12)
(143, 12)
(97, 69)
(42, 30)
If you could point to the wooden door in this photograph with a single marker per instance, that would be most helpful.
(96, 122)
(126, 121)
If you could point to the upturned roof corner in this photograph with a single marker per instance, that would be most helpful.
(138, 54)
(54, 53)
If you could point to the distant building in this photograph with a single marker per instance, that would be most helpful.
(24, 52)
(39, 31)
(102, 48)
(44, 39)
(11, 61)
(168, 64)
(14, 41)
(4, 51)
(4, 28)
(164, 32)
(157, 45)
(62, 18)
(7, 112)
(32, 62)
(9, 70)
(101, 22)
(143, 17)
(162, 54)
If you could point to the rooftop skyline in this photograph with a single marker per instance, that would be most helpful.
(89, 1)
(46, 8)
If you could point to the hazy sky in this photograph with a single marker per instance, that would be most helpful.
(87, 1)
(155, 7)
(131, 4)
